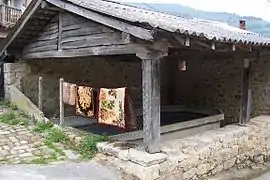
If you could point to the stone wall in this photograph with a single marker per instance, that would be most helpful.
(260, 86)
(214, 83)
(13, 74)
(195, 157)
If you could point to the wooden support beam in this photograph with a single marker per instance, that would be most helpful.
(245, 94)
(151, 102)
(60, 31)
(90, 51)
(61, 102)
(40, 99)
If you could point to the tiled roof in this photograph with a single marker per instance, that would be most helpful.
(210, 30)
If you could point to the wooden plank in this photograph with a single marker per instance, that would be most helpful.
(106, 20)
(83, 31)
(151, 104)
(36, 44)
(90, 51)
(78, 26)
(245, 92)
(47, 37)
(104, 39)
(40, 49)
(136, 135)
(60, 30)
(69, 18)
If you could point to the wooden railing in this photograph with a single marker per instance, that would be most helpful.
(9, 15)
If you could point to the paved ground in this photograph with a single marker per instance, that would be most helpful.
(66, 171)
(20, 145)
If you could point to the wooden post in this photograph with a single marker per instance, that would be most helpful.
(3, 10)
(61, 103)
(245, 94)
(151, 101)
(60, 30)
(40, 98)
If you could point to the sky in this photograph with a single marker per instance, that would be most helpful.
(257, 8)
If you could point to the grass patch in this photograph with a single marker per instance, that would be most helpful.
(42, 127)
(43, 160)
(50, 145)
(88, 148)
(12, 119)
(4, 103)
(56, 135)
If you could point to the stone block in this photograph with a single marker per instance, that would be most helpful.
(145, 159)
(176, 175)
(113, 150)
(143, 173)
(203, 169)
(15, 67)
(229, 163)
(168, 167)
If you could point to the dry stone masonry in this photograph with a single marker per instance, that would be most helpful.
(198, 156)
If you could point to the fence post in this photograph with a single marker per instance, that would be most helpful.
(40, 96)
(3, 10)
(61, 103)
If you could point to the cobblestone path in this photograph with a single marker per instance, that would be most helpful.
(20, 145)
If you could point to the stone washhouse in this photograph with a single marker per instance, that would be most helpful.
(201, 85)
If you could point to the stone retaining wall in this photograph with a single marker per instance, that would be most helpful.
(198, 156)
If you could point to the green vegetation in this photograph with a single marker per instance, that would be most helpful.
(88, 147)
(56, 135)
(12, 119)
(52, 146)
(42, 127)
(4, 103)
(44, 160)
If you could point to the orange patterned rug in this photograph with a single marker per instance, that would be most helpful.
(85, 101)
(112, 107)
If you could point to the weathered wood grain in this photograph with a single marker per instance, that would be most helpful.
(83, 31)
(151, 104)
(60, 30)
(40, 49)
(136, 31)
(89, 51)
(244, 109)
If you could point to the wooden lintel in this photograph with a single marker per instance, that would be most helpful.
(136, 31)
